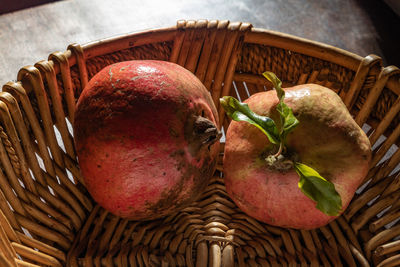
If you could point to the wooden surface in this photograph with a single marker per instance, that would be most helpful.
(359, 26)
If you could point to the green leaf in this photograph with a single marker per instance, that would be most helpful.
(276, 83)
(287, 118)
(241, 112)
(314, 186)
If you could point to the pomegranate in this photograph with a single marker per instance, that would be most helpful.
(325, 153)
(146, 138)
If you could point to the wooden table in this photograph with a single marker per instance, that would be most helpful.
(27, 36)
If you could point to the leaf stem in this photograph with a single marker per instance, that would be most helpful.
(277, 154)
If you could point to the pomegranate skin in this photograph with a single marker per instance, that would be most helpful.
(146, 138)
(327, 139)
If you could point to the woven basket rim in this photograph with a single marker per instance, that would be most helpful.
(278, 39)
(255, 35)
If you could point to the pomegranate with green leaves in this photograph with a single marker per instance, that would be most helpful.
(293, 157)
(146, 138)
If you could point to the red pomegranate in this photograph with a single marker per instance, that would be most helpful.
(327, 139)
(146, 138)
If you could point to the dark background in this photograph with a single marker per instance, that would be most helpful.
(387, 26)
(32, 29)
(14, 5)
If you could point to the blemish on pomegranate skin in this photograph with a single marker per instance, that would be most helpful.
(173, 133)
(158, 92)
(111, 75)
(179, 152)
(140, 77)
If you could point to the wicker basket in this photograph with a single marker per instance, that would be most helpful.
(47, 218)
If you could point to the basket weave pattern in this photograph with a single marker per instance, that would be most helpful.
(47, 218)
